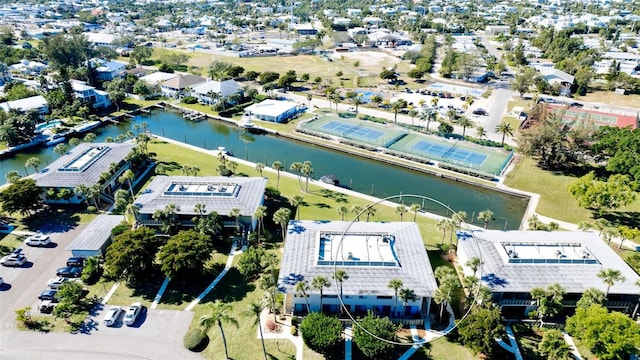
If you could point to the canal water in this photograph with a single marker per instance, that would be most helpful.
(362, 175)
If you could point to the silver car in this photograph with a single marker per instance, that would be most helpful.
(132, 313)
(112, 315)
(38, 240)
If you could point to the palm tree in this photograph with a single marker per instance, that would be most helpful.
(401, 210)
(282, 216)
(33, 162)
(13, 176)
(309, 97)
(486, 216)
(443, 224)
(357, 209)
(130, 213)
(60, 149)
(340, 275)
(255, 309)
(434, 102)
(200, 209)
(302, 287)
(610, 277)
(128, 177)
(219, 313)
(505, 129)
(307, 171)
(82, 190)
(481, 132)
(371, 211)
(260, 213)
(277, 166)
(396, 107)
(415, 208)
(474, 263)
(235, 213)
(296, 201)
(319, 283)
(259, 167)
(554, 346)
(342, 210)
(396, 285)
(297, 167)
(406, 295)
(465, 123)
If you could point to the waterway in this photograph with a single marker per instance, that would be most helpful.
(362, 175)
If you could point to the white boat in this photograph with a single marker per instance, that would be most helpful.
(86, 126)
(55, 139)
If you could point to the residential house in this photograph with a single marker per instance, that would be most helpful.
(274, 110)
(27, 67)
(85, 164)
(97, 98)
(211, 92)
(180, 85)
(516, 262)
(101, 39)
(217, 193)
(38, 103)
(109, 70)
(371, 253)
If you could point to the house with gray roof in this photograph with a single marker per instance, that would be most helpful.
(211, 92)
(179, 86)
(372, 254)
(85, 164)
(96, 237)
(217, 193)
(515, 262)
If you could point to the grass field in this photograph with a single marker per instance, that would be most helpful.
(611, 98)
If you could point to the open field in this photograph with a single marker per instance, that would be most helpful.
(611, 98)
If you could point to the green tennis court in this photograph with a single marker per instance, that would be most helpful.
(455, 152)
(358, 130)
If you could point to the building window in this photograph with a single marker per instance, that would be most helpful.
(329, 296)
(362, 297)
(384, 297)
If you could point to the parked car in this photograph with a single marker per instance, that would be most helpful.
(13, 260)
(46, 306)
(75, 261)
(112, 315)
(482, 112)
(576, 104)
(49, 294)
(69, 272)
(132, 313)
(56, 282)
(351, 109)
(38, 240)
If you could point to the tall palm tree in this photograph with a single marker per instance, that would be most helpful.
(200, 209)
(13, 176)
(342, 210)
(282, 216)
(406, 295)
(235, 213)
(415, 208)
(33, 162)
(371, 211)
(401, 210)
(255, 309)
(219, 313)
(340, 276)
(307, 171)
(396, 285)
(277, 166)
(474, 263)
(485, 216)
(260, 213)
(259, 167)
(130, 213)
(82, 190)
(302, 288)
(396, 107)
(465, 123)
(505, 129)
(319, 283)
(481, 132)
(443, 224)
(60, 149)
(128, 177)
(297, 167)
(610, 277)
(356, 209)
(296, 201)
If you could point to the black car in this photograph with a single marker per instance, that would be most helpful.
(576, 104)
(75, 261)
(69, 272)
(49, 294)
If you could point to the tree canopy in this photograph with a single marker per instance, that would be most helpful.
(185, 253)
(480, 328)
(322, 333)
(21, 196)
(132, 254)
(371, 347)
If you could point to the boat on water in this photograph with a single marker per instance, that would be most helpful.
(86, 126)
(55, 139)
(249, 127)
(330, 179)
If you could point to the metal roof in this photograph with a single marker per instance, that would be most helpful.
(52, 176)
(96, 233)
(248, 197)
(503, 275)
(301, 255)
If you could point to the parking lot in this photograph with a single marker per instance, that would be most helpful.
(157, 334)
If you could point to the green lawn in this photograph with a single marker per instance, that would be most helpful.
(555, 200)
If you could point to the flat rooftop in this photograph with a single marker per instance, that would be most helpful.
(546, 253)
(84, 159)
(356, 249)
(202, 188)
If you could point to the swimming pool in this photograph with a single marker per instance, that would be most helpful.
(366, 95)
(47, 125)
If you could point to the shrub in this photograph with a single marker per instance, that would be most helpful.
(371, 347)
(272, 326)
(120, 228)
(294, 330)
(91, 209)
(194, 339)
(321, 332)
(250, 263)
(189, 100)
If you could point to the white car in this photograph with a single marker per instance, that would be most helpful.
(132, 313)
(13, 260)
(56, 282)
(112, 315)
(38, 240)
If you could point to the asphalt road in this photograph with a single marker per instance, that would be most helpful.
(157, 334)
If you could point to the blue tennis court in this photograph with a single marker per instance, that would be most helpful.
(352, 130)
(450, 152)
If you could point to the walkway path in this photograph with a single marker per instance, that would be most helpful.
(513, 346)
(156, 300)
(232, 254)
(110, 293)
(429, 336)
(574, 348)
(285, 334)
(348, 343)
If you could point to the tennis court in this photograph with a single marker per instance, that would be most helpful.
(362, 131)
(597, 118)
(454, 152)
